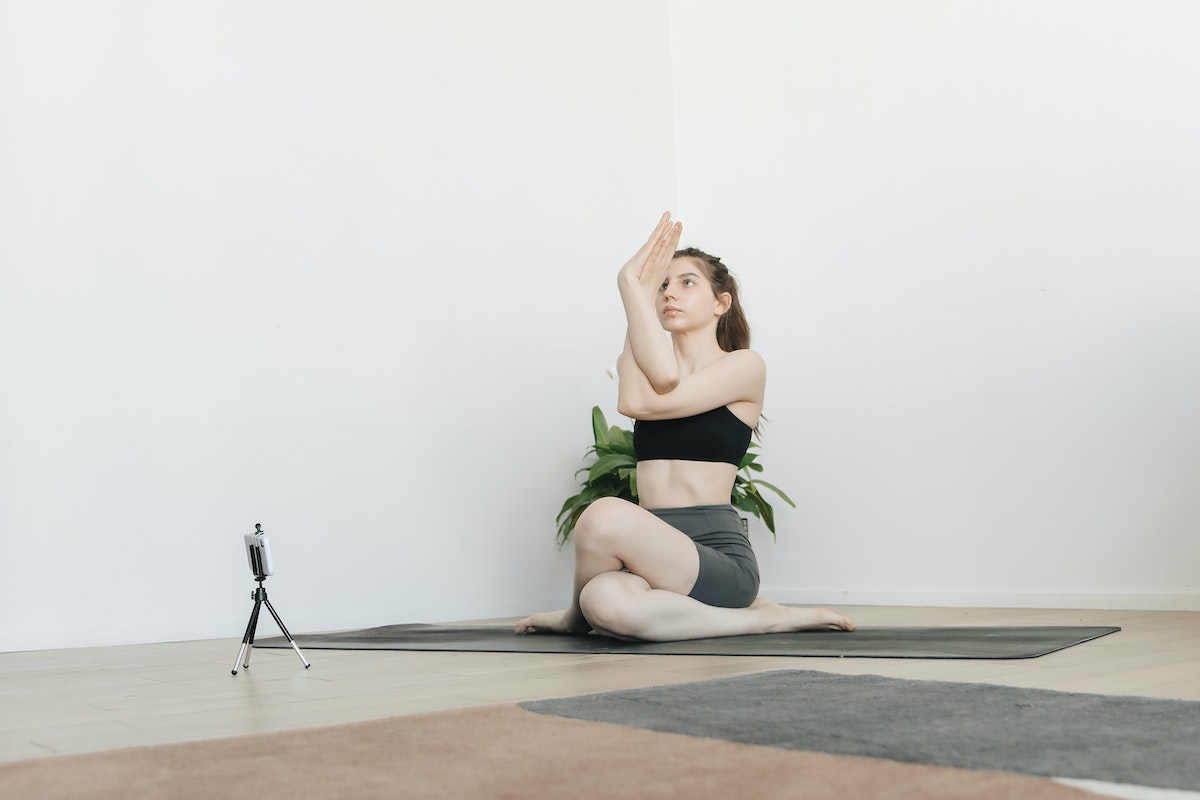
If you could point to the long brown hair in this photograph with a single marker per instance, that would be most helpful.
(733, 331)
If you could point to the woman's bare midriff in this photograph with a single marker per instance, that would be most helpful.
(674, 484)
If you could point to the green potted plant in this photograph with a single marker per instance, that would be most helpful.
(614, 474)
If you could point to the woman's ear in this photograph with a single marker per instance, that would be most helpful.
(724, 303)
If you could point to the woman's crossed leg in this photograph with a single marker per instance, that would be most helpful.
(633, 573)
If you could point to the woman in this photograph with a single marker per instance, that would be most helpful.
(678, 566)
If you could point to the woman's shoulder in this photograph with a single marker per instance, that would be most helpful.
(745, 369)
(748, 360)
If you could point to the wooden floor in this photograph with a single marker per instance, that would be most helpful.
(73, 701)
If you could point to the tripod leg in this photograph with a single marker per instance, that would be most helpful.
(286, 635)
(243, 656)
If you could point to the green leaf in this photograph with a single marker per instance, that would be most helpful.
(599, 427)
(620, 441)
(609, 487)
(606, 464)
(763, 509)
(568, 525)
(571, 503)
(768, 516)
(567, 520)
(777, 491)
(592, 493)
(744, 503)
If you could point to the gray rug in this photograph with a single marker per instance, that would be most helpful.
(968, 725)
(881, 642)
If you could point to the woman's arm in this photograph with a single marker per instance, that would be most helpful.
(639, 281)
(651, 384)
(740, 376)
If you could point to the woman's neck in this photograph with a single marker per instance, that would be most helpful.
(695, 350)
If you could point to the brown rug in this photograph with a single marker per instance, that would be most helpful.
(497, 752)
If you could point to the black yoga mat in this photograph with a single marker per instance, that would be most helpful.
(881, 642)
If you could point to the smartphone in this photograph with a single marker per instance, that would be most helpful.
(258, 553)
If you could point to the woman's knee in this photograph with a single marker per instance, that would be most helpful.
(602, 521)
(609, 601)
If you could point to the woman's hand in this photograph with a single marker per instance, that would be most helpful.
(639, 281)
(647, 269)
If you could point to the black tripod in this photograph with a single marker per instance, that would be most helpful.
(255, 548)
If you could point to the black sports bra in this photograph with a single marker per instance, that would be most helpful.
(716, 435)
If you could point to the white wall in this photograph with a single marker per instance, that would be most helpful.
(303, 264)
(331, 267)
(967, 233)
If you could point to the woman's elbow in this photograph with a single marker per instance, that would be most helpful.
(639, 408)
(633, 407)
(665, 385)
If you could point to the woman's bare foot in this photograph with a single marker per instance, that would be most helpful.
(561, 622)
(785, 619)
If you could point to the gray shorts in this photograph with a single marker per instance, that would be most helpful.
(728, 570)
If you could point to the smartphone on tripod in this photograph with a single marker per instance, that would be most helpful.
(258, 553)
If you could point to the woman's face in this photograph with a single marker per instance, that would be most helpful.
(686, 300)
